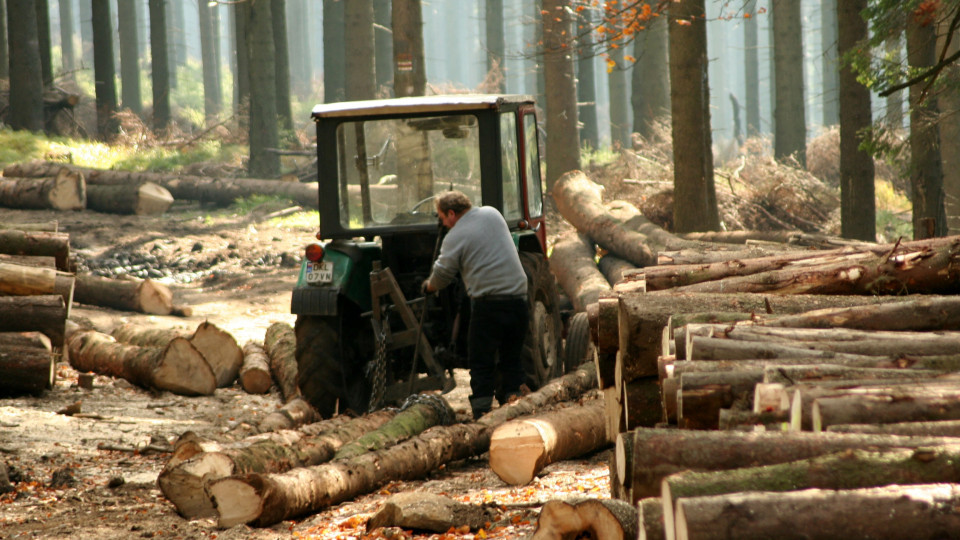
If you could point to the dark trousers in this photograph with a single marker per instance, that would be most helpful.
(496, 326)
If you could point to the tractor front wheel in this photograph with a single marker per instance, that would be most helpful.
(543, 345)
(330, 365)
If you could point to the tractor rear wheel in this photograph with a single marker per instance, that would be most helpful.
(543, 344)
(578, 348)
(330, 365)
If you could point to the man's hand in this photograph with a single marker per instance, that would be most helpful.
(425, 288)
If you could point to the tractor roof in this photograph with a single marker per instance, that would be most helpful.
(419, 104)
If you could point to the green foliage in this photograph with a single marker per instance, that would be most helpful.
(307, 219)
(162, 158)
(245, 205)
(598, 156)
(893, 212)
(19, 145)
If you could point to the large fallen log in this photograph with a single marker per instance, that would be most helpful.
(183, 477)
(26, 280)
(255, 375)
(614, 268)
(419, 413)
(599, 518)
(913, 313)
(520, 449)
(178, 367)
(143, 296)
(263, 500)
(144, 199)
(65, 190)
(46, 314)
(657, 453)
(572, 262)
(845, 470)
(217, 346)
(912, 511)
(26, 369)
(50, 244)
(888, 404)
(223, 191)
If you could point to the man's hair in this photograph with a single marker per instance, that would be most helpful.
(453, 200)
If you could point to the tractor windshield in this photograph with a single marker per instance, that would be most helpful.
(391, 169)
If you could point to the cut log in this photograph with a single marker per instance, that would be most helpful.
(24, 280)
(44, 226)
(702, 256)
(293, 413)
(914, 313)
(572, 262)
(26, 369)
(615, 418)
(50, 244)
(579, 200)
(255, 372)
(183, 477)
(937, 428)
(143, 296)
(845, 470)
(701, 396)
(280, 343)
(650, 511)
(705, 348)
(217, 346)
(918, 511)
(36, 261)
(428, 512)
(223, 191)
(178, 367)
(658, 453)
(418, 414)
(730, 419)
(64, 191)
(885, 405)
(46, 314)
(144, 199)
(641, 403)
(792, 374)
(267, 499)
(607, 519)
(25, 339)
(613, 268)
(520, 449)
(608, 341)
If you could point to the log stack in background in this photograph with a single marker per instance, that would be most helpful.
(791, 347)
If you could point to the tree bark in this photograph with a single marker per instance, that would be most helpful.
(650, 95)
(730, 419)
(295, 412)
(613, 268)
(26, 369)
(572, 263)
(47, 314)
(104, 70)
(255, 375)
(701, 396)
(159, 65)
(26, 79)
(412, 420)
(43, 226)
(144, 199)
(24, 280)
(280, 344)
(642, 403)
(658, 453)
(263, 132)
(790, 137)
(145, 296)
(520, 449)
(334, 58)
(218, 347)
(650, 512)
(911, 313)
(922, 511)
(57, 245)
(128, 29)
(25, 339)
(563, 139)
(183, 477)
(937, 428)
(262, 500)
(177, 368)
(65, 191)
(598, 518)
(278, 17)
(887, 404)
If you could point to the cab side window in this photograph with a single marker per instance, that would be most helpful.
(532, 166)
(512, 201)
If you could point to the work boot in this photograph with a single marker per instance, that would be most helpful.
(481, 405)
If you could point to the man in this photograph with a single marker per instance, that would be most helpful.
(479, 247)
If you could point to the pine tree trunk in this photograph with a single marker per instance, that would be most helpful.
(159, 64)
(563, 140)
(651, 78)
(65, 191)
(790, 137)
(104, 70)
(263, 133)
(334, 57)
(211, 64)
(26, 80)
(409, 65)
(130, 96)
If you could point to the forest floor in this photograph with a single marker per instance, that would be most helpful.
(95, 475)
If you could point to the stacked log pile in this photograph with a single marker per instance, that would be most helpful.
(817, 365)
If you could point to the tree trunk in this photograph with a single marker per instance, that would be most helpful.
(26, 369)
(592, 518)
(47, 314)
(183, 477)
(31, 340)
(159, 65)
(858, 205)
(926, 172)
(409, 65)
(211, 64)
(613, 269)
(617, 94)
(137, 199)
(650, 95)
(50, 244)
(294, 413)
(659, 453)
(280, 344)
(128, 28)
(241, 81)
(706, 348)
(26, 79)
(834, 44)
(790, 137)
(730, 419)
(563, 140)
(642, 403)
(282, 65)
(334, 57)
(586, 80)
(24, 280)
(520, 449)
(837, 471)
(177, 368)
(936, 428)
(43, 40)
(886, 405)
(493, 19)
(104, 70)
(572, 263)
(262, 500)
(65, 191)
(145, 296)
(222, 191)
(695, 199)
(217, 346)
(255, 375)
(918, 314)
(792, 374)
(412, 420)
(701, 396)
(261, 52)
(383, 45)
(751, 68)
(4, 56)
(922, 511)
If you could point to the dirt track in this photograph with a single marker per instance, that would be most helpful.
(237, 273)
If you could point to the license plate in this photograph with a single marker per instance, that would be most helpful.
(321, 272)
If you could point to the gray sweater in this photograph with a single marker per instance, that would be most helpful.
(480, 248)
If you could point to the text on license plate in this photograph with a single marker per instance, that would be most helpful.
(321, 272)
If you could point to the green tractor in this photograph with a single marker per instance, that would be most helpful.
(365, 336)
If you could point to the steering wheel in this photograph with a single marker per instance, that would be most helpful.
(416, 207)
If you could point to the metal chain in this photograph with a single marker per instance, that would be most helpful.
(378, 381)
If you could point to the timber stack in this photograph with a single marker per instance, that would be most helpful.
(726, 370)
